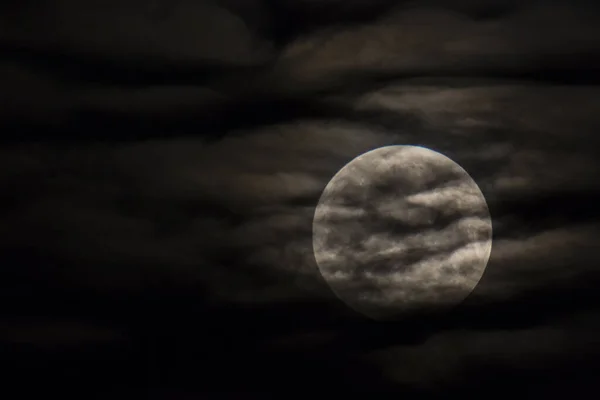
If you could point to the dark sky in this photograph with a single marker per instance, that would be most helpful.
(162, 161)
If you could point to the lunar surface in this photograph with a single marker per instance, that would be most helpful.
(401, 229)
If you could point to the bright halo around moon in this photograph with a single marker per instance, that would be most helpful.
(401, 229)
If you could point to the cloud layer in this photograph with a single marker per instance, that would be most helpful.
(167, 160)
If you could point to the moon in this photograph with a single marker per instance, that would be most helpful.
(401, 229)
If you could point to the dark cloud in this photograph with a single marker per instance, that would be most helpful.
(163, 163)
(181, 32)
(59, 333)
(447, 358)
(418, 41)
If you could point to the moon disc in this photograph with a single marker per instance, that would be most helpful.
(401, 229)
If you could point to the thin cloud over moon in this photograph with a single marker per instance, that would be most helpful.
(401, 228)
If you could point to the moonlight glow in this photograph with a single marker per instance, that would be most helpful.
(401, 228)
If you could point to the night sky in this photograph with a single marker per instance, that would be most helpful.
(161, 164)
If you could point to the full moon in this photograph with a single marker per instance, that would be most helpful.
(401, 229)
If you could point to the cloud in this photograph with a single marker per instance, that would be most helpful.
(188, 203)
(195, 205)
(58, 333)
(34, 95)
(27, 93)
(557, 258)
(461, 107)
(519, 140)
(165, 34)
(228, 222)
(452, 199)
(115, 213)
(452, 358)
(427, 39)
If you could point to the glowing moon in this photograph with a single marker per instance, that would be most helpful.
(401, 229)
